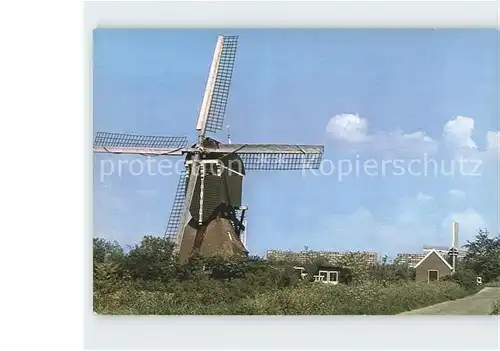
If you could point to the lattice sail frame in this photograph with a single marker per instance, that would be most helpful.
(104, 139)
(280, 162)
(274, 157)
(220, 95)
(177, 207)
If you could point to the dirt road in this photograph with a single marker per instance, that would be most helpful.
(477, 304)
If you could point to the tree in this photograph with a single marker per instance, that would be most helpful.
(108, 269)
(483, 256)
(388, 272)
(104, 249)
(152, 259)
(464, 277)
(356, 264)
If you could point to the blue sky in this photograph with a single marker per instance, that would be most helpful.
(384, 95)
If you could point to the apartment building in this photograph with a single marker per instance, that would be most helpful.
(329, 256)
(411, 259)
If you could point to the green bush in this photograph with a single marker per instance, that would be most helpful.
(466, 278)
(494, 283)
(483, 256)
(150, 280)
(495, 308)
(237, 298)
(359, 299)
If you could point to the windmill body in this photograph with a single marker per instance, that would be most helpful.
(214, 226)
(222, 182)
(207, 215)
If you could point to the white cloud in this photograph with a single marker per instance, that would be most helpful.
(458, 132)
(457, 135)
(403, 143)
(348, 127)
(354, 131)
(457, 193)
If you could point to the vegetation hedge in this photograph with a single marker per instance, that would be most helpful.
(303, 299)
(148, 279)
(495, 308)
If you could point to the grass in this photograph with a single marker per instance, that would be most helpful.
(303, 299)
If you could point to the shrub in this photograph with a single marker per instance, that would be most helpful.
(216, 297)
(495, 308)
(466, 278)
(494, 283)
(149, 280)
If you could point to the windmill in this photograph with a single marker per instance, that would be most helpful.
(207, 215)
(454, 250)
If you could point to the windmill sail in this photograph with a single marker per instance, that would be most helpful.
(215, 119)
(434, 247)
(139, 144)
(273, 157)
(178, 205)
(454, 240)
(218, 86)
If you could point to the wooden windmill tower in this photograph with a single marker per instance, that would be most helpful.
(207, 215)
